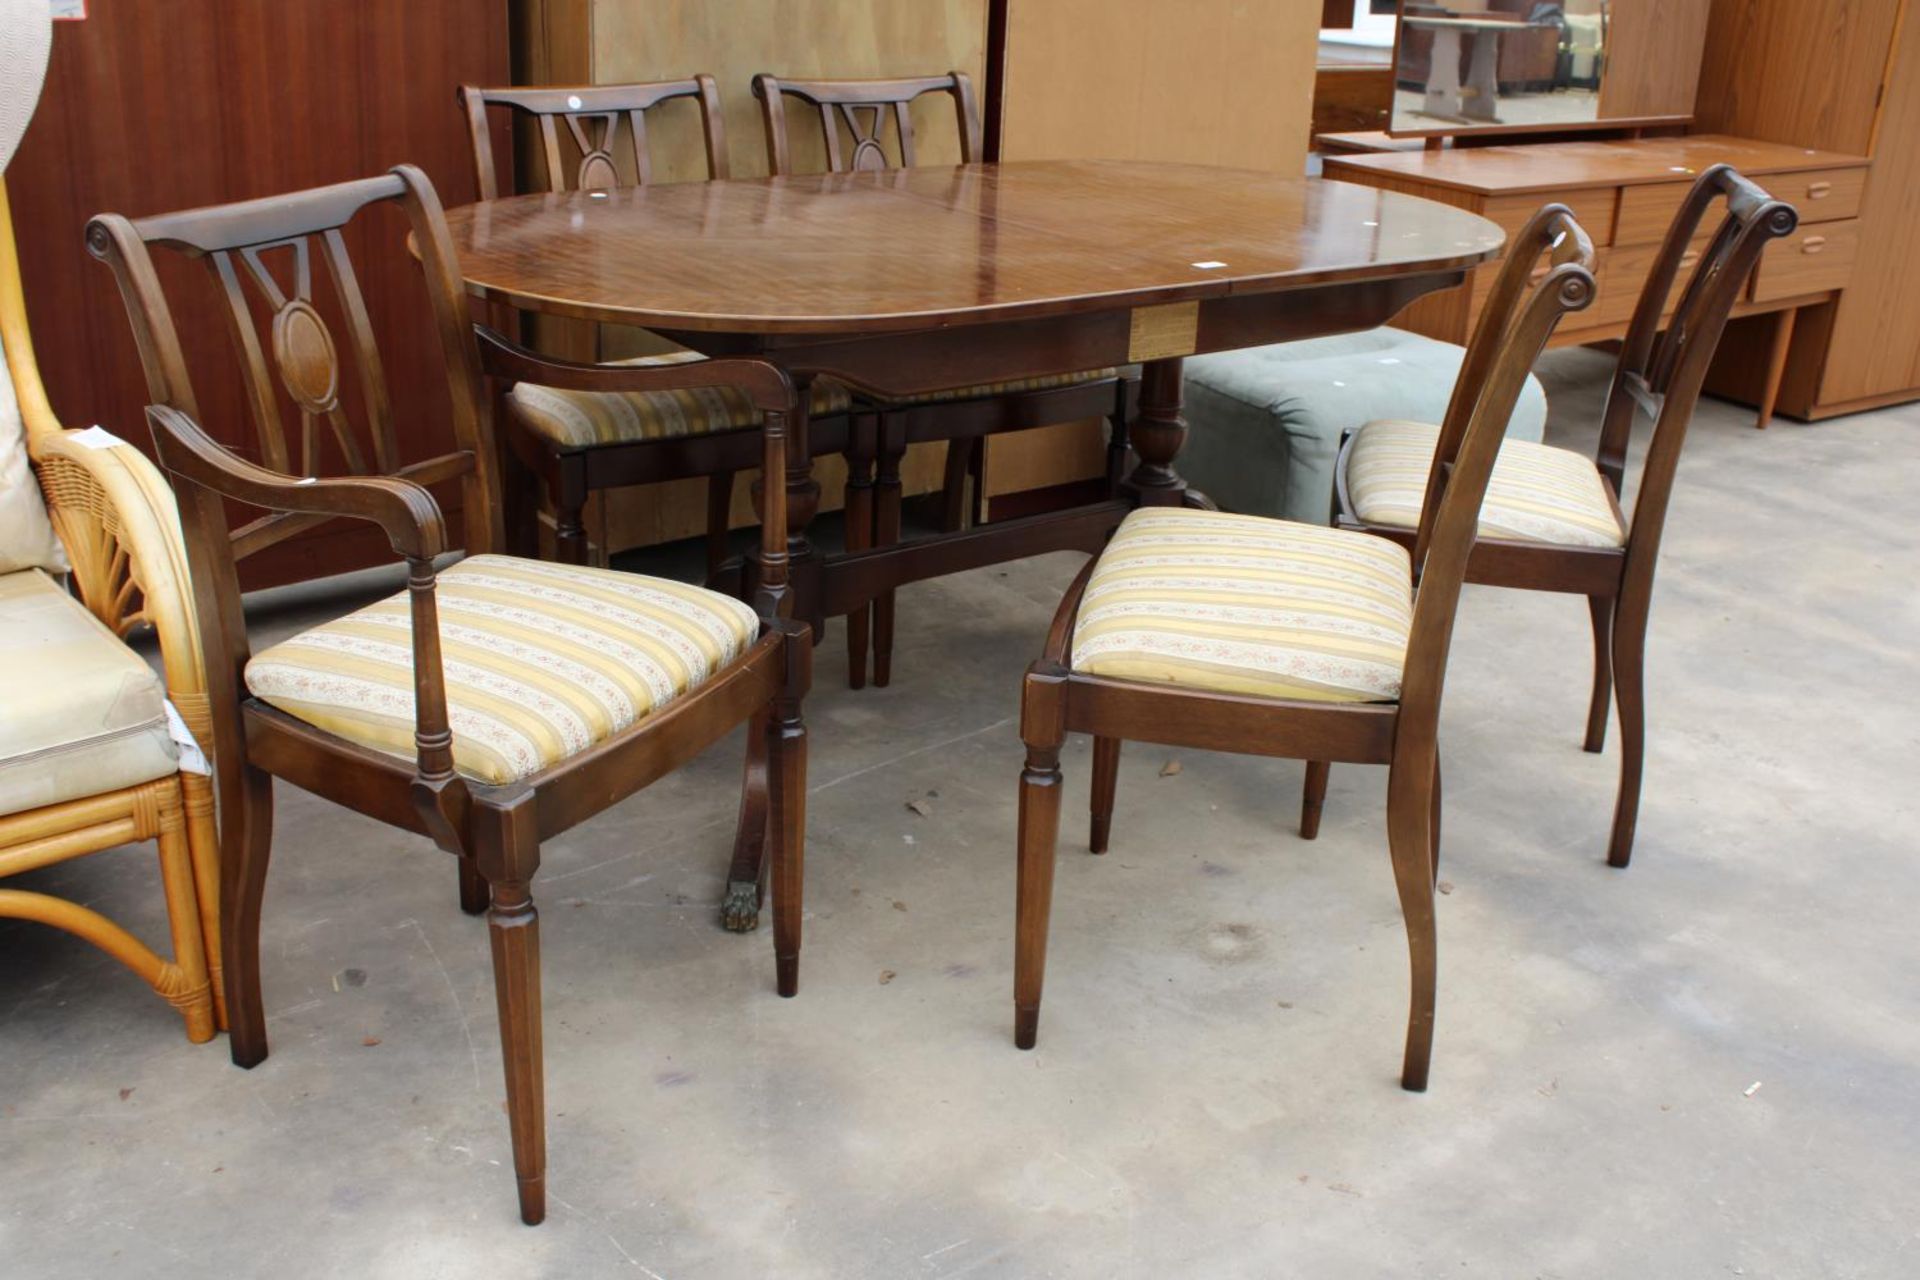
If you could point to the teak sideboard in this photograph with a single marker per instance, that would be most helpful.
(1624, 192)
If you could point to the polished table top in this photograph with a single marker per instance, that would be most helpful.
(933, 247)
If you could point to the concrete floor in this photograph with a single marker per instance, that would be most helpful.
(1214, 1093)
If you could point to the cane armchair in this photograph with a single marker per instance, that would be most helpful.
(1552, 520)
(853, 116)
(494, 703)
(578, 443)
(88, 760)
(1266, 637)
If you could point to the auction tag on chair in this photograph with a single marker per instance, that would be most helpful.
(1162, 332)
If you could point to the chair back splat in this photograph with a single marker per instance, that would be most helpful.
(592, 115)
(1548, 273)
(853, 118)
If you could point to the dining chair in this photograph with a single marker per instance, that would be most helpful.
(1552, 519)
(578, 443)
(853, 118)
(1239, 633)
(494, 703)
(89, 757)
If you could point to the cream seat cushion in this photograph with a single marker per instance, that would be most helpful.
(542, 661)
(583, 419)
(27, 539)
(1537, 493)
(80, 713)
(1245, 604)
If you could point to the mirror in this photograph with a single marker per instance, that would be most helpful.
(1544, 65)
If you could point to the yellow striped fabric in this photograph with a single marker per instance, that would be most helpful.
(542, 661)
(1045, 383)
(582, 419)
(1244, 604)
(1537, 493)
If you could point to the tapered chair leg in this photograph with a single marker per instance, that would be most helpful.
(719, 520)
(1039, 838)
(787, 833)
(569, 512)
(1629, 678)
(243, 882)
(1601, 607)
(473, 887)
(1410, 840)
(1313, 796)
(862, 445)
(886, 532)
(746, 877)
(1106, 777)
(508, 851)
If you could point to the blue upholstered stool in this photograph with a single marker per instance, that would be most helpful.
(1266, 422)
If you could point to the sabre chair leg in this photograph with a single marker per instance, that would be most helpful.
(1106, 778)
(1410, 841)
(953, 489)
(569, 512)
(1601, 609)
(1039, 838)
(1313, 796)
(862, 445)
(243, 881)
(1629, 676)
(719, 520)
(747, 875)
(893, 447)
(508, 850)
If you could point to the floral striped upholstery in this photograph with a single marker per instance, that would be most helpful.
(1537, 494)
(1046, 382)
(1244, 604)
(582, 419)
(542, 661)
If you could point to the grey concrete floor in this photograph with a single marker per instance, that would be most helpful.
(1214, 1093)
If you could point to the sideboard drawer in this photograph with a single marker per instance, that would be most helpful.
(1821, 195)
(1624, 272)
(1592, 209)
(1813, 259)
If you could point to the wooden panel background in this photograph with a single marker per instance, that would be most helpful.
(610, 41)
(1812, 73)
(157, 105)
(1219, 82)
(1653, 57)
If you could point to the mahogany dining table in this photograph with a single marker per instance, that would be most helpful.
(925, 279)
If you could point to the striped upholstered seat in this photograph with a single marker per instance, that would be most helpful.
(582, 419)
(1537, 494)
(1245, 604)
(1047, 382)
(542, 661)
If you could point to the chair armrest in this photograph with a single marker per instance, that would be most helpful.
(405, 511)
(765, 385)
(116, 516)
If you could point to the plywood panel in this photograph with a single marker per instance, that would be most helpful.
(1875, 348)
(1805, 72)
(1210, 81)
(155, 105)
(1653, 57)
(732, 40)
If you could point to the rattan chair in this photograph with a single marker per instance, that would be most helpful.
(87, 762)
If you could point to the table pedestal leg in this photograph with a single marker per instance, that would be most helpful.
(1159, 430)
(747, 875)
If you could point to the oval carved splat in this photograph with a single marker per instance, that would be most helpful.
(303, 349)
(597, 173)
